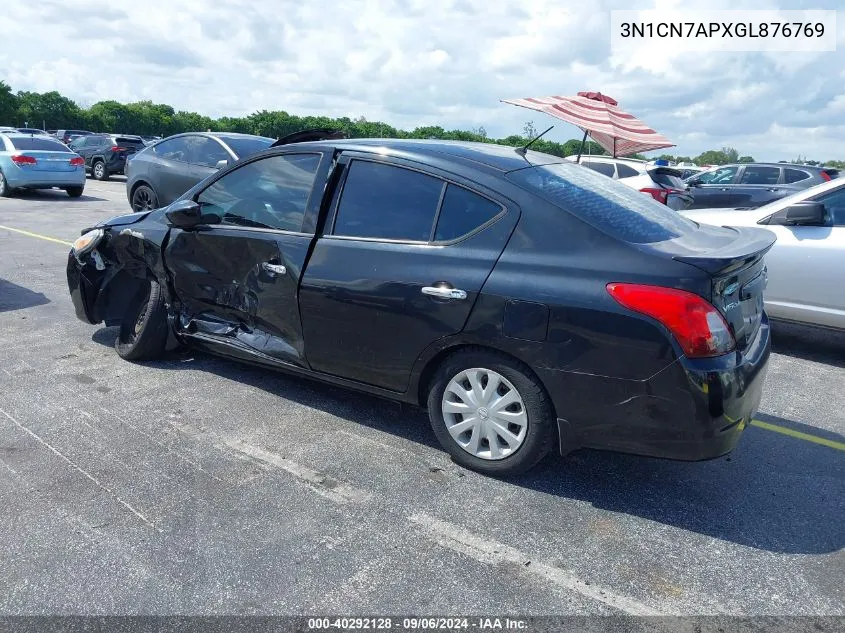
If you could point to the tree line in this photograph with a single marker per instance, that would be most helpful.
(55, 111)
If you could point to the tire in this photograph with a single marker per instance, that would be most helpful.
(143, 332)
(99, 170)
(539, 421)
(75, 192)
(5, 189)
(144, 199)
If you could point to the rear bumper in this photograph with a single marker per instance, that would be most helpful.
(45, 179)
(692, 410)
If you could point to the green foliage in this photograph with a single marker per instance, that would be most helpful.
(146, 117)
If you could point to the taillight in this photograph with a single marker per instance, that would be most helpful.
(23, 160)
(696, 324)
(825, 176)
(118, 148)
(76, 162)
(658, 194)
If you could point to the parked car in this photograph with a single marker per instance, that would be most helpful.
(805, 266)
(662, 183)
(528, 303)
(106, 154)
(5, 129)
(162, 172)
(751, 185)
(32, 130)
(38, 162)
(66, 136)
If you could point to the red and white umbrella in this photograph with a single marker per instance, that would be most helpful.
(617, 131)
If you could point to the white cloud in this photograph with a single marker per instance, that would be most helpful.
(427, 62)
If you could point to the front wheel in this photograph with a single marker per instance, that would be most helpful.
(75, 192)
(490, 413)
(143, 332)
(99, 171)
(144, 199)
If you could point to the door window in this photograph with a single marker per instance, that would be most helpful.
(387, 202)
(720, 176)
(205, 151)
(834, 202)
(602, 168)
(174, 149)
(462, 213)
(626, 171)
(758, 175)
(794, 175)
(271, 193)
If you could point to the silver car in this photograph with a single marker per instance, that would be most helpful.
(807, 263)
(29, 161)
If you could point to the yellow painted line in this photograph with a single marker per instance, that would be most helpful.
(840, 446)
(38, 235)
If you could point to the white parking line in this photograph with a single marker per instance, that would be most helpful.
(490, 552)
(322, 484)
(81, 470)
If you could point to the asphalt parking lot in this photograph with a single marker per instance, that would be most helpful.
(196, 485)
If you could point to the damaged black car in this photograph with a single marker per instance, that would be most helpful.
(529, 304)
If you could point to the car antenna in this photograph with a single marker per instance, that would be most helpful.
(522, 150)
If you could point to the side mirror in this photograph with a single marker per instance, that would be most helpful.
(221, 164)
(187, 214)
(801, 214)
(694, 182)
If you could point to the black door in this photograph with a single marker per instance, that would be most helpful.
(758, 185)
(237, 280)
(399, 265)
(715, 188)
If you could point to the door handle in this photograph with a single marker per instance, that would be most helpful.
(274, 269)
(444, 293)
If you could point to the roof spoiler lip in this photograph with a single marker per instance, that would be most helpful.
(756, 242)
(313, 134)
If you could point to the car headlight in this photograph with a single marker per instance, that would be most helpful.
(87, 242)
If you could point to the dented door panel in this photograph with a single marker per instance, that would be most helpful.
(240, 285)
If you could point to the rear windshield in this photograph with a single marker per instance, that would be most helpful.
(38, 143)
(128, 140)
(667, 179)
(610, 206)
(244, 146)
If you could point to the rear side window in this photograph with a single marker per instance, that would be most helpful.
(462, 213)
(794, 175)
(244, 146)
(602, 168)
(760, 176)
(610, 206)
(37, 143)
(626, 171)
(387, 202)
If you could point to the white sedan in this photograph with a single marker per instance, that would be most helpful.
(806, 265)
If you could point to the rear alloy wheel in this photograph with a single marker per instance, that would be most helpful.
(490, 413)
(144, 199)
(143, 332)
(5, 189)
(99, 171)
(74, 192)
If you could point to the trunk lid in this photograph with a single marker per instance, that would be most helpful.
(734, 259)
(48, 161)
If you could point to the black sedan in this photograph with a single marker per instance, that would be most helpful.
(163, 171)
(529, 304)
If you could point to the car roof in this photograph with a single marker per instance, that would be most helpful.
(499, 157)
(789, 165)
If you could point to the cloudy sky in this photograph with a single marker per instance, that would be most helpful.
(428, 62)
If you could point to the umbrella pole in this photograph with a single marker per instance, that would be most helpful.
(581, 149)
(614, 147)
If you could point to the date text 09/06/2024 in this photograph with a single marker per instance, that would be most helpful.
(417, 624)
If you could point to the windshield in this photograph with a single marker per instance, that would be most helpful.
(611, 207)
(246, 145)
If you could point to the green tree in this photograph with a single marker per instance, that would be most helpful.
(49, 108)
(746, 159)
(8, 104)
